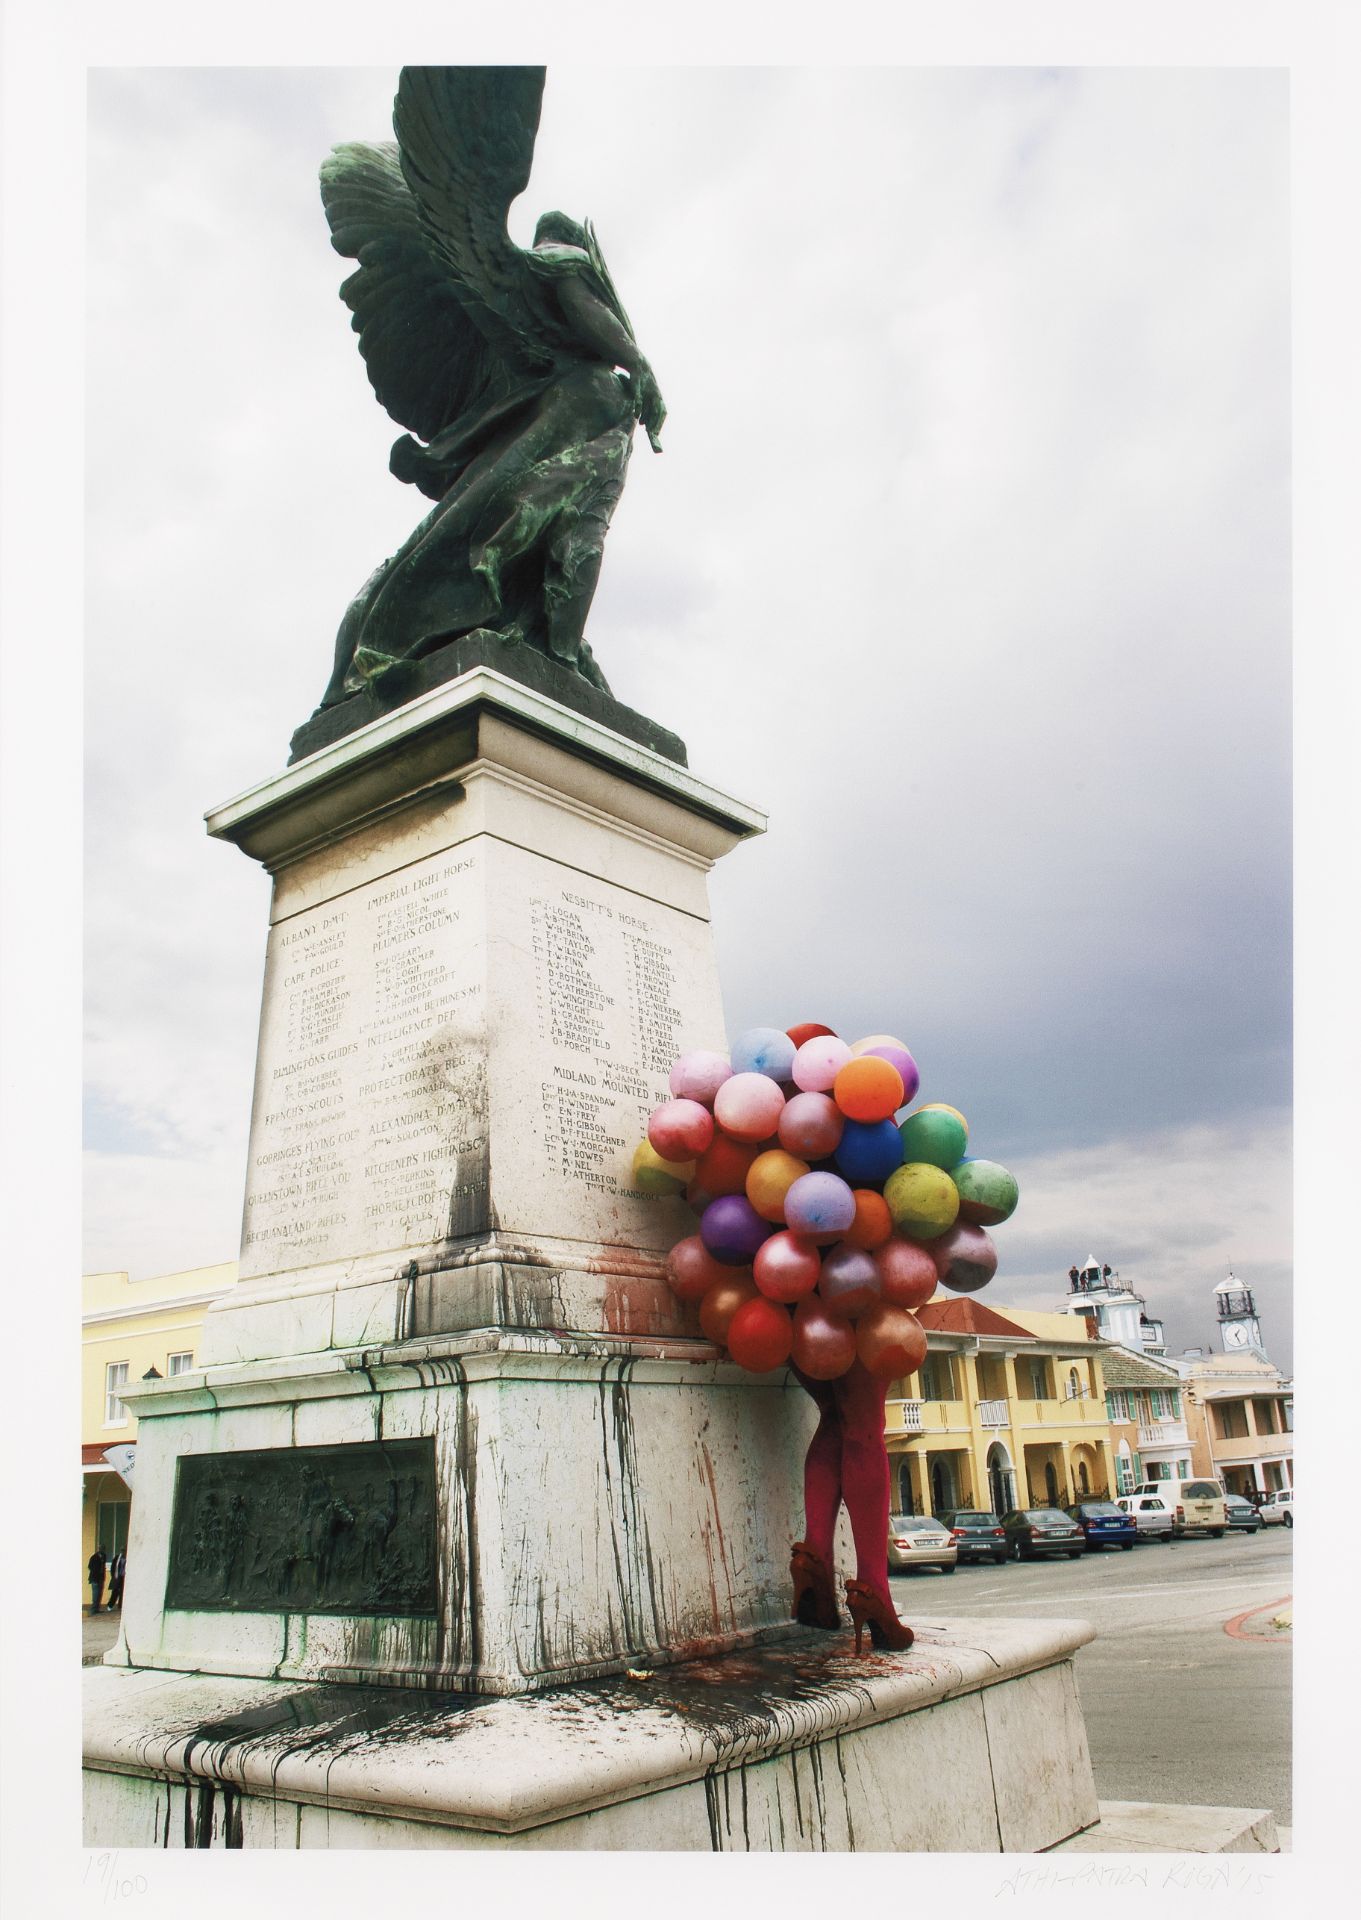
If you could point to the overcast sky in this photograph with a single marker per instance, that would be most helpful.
(967, 559)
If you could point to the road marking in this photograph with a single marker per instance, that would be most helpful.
(1235, 1626)
(1136, 1593)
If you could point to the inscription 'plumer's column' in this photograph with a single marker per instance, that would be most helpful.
(489, 939)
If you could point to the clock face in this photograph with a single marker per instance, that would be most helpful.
(1236, 1335)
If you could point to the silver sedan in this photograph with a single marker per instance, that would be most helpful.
(917, 1541)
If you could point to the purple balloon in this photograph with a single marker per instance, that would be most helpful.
(732, 1229)
(900, 1058)
(820, 1206)
(849, 1281)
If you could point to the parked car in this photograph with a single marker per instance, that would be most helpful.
(1278, 1509)
(1243, 1517)
(1150, 1513)
(916, 1540)
(1103, 1524)
(977, 1535)
(1197, 1505)
(1031, 1531)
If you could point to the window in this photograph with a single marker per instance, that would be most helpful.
(179, 1363)
(1159, 1404)
(1174, 1402)
(1124, 1472)
(1114, 1407)
(1074, 1385)
(115, 1376)
(937, 1377)
(1039, 1380)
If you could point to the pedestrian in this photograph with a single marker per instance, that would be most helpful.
(95, 1570)
(116, 1580)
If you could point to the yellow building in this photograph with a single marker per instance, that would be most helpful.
(1007, 1410)
(129, 1327)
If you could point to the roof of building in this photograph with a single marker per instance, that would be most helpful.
(1122, 1368)
(963, 1315)
(1232, 1285)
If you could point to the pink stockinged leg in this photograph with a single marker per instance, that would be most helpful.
(822, 1469)
(864, 1473)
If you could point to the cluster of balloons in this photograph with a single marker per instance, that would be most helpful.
(824, 1218)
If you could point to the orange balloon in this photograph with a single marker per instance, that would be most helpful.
(873, 1223)
(823, 1346)
(868, 1088)
(889, 1342)
(721, 1302)
(769, 1179)
(907, 1273)
(759, 1335)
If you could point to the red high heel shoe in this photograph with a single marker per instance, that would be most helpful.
(870, 1609)
(814, 1593)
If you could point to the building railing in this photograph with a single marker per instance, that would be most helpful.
(993, 1413)
(1164, 1433)
(908, 1416)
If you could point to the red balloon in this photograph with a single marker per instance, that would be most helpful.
(721, 1302)
(785, 1267)
(680, 1129)
(811, 1125)
(907, 1273)
(723, 1166)
(692, 1269)
(759, 1335)
(824, 1344)
(808, 1031)
(889, 1342)
(850, 1281)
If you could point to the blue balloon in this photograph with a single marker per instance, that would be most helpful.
(763, 1050)
(869, 1152)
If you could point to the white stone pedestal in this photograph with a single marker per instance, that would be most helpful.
(972, 1742)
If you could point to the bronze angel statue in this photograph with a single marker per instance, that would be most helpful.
(514, 369)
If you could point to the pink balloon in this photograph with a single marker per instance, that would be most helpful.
(818, 1062)
(819, 1207)
(786, 1268)
(811, 1126)
(965, 1257)
(698, 1075)
(748, 1106)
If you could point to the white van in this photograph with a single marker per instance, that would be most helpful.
(1197, 1505)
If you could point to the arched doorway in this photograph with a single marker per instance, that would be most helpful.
(1084, 1485)
(942, 1487)
(1051, 1484)
(905, 1499)
(1001, 1479)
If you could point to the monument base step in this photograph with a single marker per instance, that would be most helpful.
(971, 1742)
(1148, 1826)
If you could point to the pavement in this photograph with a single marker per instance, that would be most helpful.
(98, 1631)
(1187, 1688)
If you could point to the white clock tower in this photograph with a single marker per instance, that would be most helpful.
(1239, 1328)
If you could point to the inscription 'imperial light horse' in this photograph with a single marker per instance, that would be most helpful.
(505, 364)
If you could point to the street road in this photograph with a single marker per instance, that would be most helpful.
(1177, 1708)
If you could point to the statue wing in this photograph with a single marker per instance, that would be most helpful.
(466, 137)
(427, 361)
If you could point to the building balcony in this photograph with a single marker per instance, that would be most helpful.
(993, 1413)
(903, 1416)
(1163, 1433)
(1254, 1446)
(1081, 1411)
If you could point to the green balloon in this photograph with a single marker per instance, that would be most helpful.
(987, 1192)
(934, 1137)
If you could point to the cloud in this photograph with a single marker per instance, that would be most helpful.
(967, 557)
